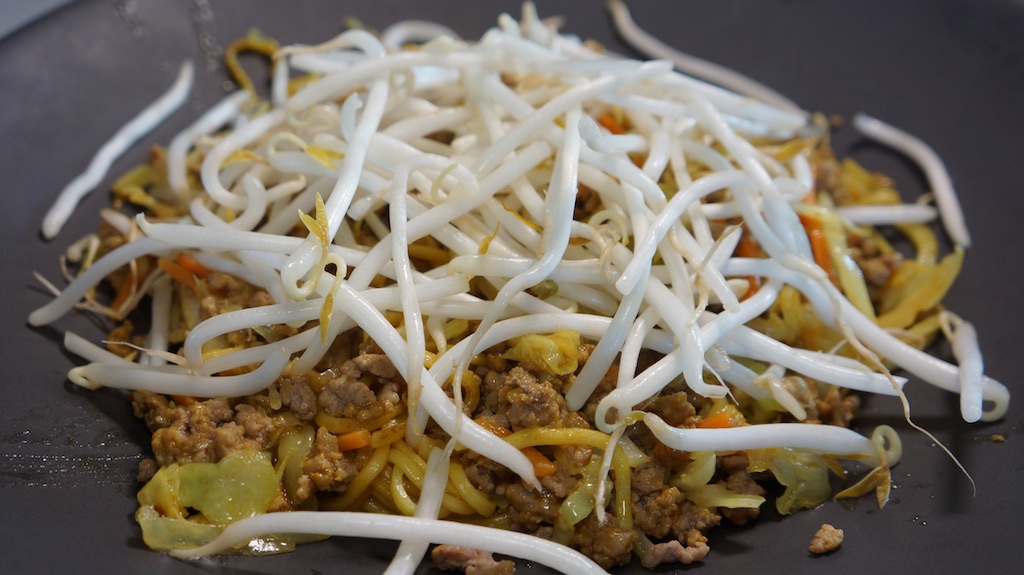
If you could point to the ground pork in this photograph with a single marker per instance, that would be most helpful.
(675, 409)
(351, 394)
(669, 513)
(649, 478)
(578, 456)
(298, 396)
(484, 474)
(326, 468)
(147, 469)
(345, 396)
(227, 293)
(587, 202)
(257, 424)
(183, 434)
(838, 408)
(695, 549)
(376, 364)
(529, 509)
(202, 431)
(560, 483)
(259, 298)
(229, 438)
(738, 480)
(827, 539)
(608, 544)
(528, 402)
(470, 561)
(119, 336)
(491, 381)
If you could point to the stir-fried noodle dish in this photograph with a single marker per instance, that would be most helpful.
(515, 295)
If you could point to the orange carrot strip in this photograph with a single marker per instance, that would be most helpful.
(819, 246)
(183, 399)
(611, 124)
(180, 274)
(493, 427)
(720, 420)
(354, 440)
(129, 284)
(747, 248)
(542, 466)
(192, 265)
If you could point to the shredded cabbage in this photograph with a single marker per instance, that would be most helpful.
(240, 485)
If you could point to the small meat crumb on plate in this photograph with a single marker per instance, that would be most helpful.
(827, 539)
(470, 561)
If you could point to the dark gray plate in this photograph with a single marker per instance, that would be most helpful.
(950, 71)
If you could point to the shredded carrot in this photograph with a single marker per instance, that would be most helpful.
(129, 284)
(180, 274)
(493, 427)
(748, 248)
(819, 246)
(611, 124)
(354, 440)
(816, 234)
(720, 420)
(192, 265)
(542, 466)
(183, 399)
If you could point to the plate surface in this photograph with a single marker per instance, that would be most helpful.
(951, 72)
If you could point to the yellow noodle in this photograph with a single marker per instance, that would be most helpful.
(399, 495)
(339, 425)
(363, 479)
(425, 446)
(380, 490)
(413, 463)
(374, 506)
(560, 436)
(392, 431)
(414, 468)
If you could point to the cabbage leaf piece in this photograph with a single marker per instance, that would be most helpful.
(803, 473)
(695, 482)
(557, 353)
(188, 505)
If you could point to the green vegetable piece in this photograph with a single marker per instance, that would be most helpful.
(241, 485)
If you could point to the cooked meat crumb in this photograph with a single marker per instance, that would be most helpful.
(608, 544)
(827, 539)
(297, 396)
(326, 468)
(470, 561)
(696, 548)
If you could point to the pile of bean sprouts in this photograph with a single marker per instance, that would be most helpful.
(645, 272)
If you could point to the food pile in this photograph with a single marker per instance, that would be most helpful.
(512, 284)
